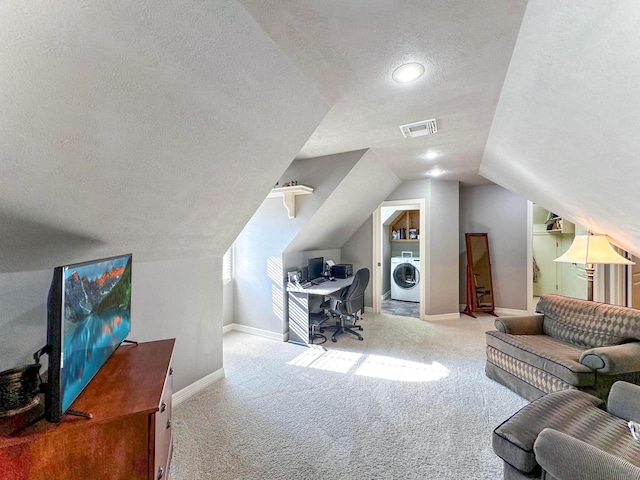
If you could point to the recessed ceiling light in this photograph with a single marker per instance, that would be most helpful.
(408, 72)
(430, 155)
(435, 172)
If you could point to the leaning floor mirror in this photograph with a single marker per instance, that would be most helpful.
(479, 281)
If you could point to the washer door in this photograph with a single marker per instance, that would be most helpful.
(406, 276)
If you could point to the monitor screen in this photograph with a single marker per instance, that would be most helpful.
(89, 315)
(316, 267)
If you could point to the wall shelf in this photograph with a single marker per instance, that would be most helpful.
(409, 220)
(289, 195)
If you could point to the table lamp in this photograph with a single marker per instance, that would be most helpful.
(589, 250)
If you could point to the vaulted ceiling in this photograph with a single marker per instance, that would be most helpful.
(159, 127)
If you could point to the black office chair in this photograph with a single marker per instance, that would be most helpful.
(315, 323)
(347, 305)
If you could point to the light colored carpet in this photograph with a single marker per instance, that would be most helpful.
(411, 401)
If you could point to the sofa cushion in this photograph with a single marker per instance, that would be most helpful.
(569, 411)
(570, 458)
(588, 324)
(542, 352)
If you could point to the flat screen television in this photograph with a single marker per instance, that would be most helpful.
(316, 267)
(88, 316)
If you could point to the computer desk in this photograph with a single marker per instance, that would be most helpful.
(304, 302)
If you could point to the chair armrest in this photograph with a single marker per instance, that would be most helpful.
(567, 458)
(525, 325)
(624, 401)
(613, 360)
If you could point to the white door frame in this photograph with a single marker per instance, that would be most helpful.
(376, 282)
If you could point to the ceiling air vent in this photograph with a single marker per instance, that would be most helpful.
(418, 129)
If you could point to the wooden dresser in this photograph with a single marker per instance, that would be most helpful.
(128, 438)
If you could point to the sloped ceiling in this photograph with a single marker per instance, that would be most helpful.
(133, 126)
(343, 210)
(564, 134)
(349, 50)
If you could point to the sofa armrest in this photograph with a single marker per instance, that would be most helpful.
(624, 401)
(613, 360)
(525, 325)
(567, 458)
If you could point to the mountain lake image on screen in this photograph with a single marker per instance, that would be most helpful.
(96, 319)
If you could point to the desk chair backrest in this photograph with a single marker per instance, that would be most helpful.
(352, 299)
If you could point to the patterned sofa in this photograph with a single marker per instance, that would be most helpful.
(569, 344)
(570, 435)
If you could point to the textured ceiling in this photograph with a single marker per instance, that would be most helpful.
(135, 126)
(564, 134)
(158, 127)
(349, 49)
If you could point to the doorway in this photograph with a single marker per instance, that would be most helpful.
(552, 236)
(398, 236)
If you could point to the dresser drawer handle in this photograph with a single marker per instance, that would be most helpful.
(169, 423)
(163, 407)
(170, 370)
(160, 473)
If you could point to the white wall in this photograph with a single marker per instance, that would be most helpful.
(503, 215)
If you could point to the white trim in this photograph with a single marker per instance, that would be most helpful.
(196, 387)
(227, 328)
(368, 309)
(530, 257)
(376, 251)
(442, 316)
(376, 280)
(279, 337)
(511, 312)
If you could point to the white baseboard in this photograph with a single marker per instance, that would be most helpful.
(280, 337)
(227, 328)
(442, 316)
(368, 309)
(386, 296)
(510, 312)
(196, 387)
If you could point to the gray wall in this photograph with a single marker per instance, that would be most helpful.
(347, 188)
(358, 250)
(503, 215)
(181, 299)
(260, 270)
(23, 317)
(123, 137)
(171, 299)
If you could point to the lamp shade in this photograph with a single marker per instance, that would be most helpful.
(592, 249)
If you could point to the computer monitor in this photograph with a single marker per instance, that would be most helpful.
(316, 267)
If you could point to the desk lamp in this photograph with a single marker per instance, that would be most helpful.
(589, 250)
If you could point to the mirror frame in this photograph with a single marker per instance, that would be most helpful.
(472, 297)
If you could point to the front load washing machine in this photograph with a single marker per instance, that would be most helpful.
(405, 279)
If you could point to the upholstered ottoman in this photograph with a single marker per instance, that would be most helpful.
(569, 411)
